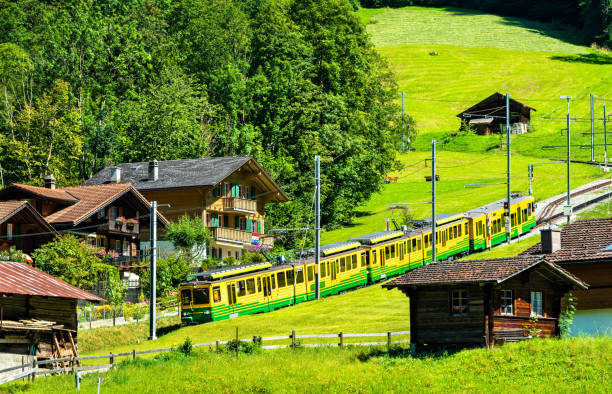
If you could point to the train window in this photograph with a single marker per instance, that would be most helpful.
(354, 261)
(217, 294)
(525, 215)
(323, 270)
(241, 288)
(529, 209)
(342, 265)
(250, 283)
(455, 231)
(311, 273)
(281, 279)
(201, 296)
(289, 278)
(299, 278)
(386, 253)
(418, 244)
(363, 260)
(373, 257)
(414, 249)
(273, 281)
(466, 228)
(459, 229)
(392, 251)
(186, 296)
(259, 285)
(513, 220)
(450, 233)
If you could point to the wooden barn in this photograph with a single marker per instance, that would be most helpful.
(489, 115)
(476, 303)
(584, 248)
(38, 315)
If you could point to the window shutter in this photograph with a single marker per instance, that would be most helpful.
(259, 227)
(249, 225)
(253, 195)
(237, 222)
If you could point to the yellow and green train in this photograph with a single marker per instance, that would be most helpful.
(261, 287)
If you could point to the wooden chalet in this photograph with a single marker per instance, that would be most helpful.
(22, 226)
(584, 248)
(229, 194)
(489, 115)
(476, 303)
(109, 217)
(38, 315)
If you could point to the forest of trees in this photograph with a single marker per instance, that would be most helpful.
(87, 83)
(592, 17)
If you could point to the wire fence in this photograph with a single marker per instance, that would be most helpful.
(32, 369)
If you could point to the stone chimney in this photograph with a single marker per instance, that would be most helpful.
(50, 181)
(551, 240)
(153, 170)
(115, 175)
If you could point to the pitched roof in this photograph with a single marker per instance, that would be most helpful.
(10, 208)
(581, 241)
(174, 174)
(40, 192)
(495, 97)
(476, 271)
(20, 278)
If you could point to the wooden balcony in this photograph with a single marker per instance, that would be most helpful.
(239, 205)
(117, 227)
(231, 235)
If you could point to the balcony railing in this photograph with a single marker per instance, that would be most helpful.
(125, 262)
(239, 204)
(236, 236)
(117, 226)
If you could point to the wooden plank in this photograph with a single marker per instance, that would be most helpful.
(313, 336)
(14, 340)
(401, 333)
(373, 334)
(275, 346)
(75, 352)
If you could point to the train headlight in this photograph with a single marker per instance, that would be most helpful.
(207, 312)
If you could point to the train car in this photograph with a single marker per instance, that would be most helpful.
(385, 253)
(522, 220)
(253, 288)
(452, 237)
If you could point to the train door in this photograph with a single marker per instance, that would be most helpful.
(267, 291)
(231, 299)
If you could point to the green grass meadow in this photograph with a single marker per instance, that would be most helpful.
(565, 366)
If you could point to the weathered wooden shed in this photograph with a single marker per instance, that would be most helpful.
(38, 315)
(489, 115)
(475, 303)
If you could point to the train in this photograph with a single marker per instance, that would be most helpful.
(233, 291)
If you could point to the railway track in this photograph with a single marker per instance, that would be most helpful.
(548, 213)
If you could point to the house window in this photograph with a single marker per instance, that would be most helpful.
(114, 212)
(9, 231)
(459, 302)
(507, 302)
(126, 248)
(118, 246)
(536, 303)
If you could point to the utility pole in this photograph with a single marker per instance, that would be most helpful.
(317, 226)
(508, 210)
(568, 207)
(605, 120)
(433, 201)
(403, 126)
(592, 129)
(153, 280)
(530, 172)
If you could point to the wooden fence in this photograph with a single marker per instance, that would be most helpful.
(32, 369)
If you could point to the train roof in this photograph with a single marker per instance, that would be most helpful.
(377, 237)
(441, 219)
(232, 270)
(338, 247)
(495, 206)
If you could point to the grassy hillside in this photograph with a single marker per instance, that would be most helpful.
(371, 309)
(572, 365)
(476, 55)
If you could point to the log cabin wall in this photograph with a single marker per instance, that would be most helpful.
(522, 286)
(599, 277)
(432, 319)
(60, 310)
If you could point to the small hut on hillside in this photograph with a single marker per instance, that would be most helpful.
(489, 115)
(38, 314)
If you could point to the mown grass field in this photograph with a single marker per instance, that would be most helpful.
(569, 365)
(476, 55)
(371, 309)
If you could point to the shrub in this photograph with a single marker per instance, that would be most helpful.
(243, 347)
(189, 235)
(103, 311)
(187, 347)
(253, 257)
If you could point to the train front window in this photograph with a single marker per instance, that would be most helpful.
(186, 296)
(201, 296)
(217, 294)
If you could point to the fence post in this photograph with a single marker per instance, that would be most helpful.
(134, 354)
(254, 339)
(293, 339)
(389, 339)
(218, 345)
(35, 368)
(136, 313)
(111, 359)
(90, 320)
(237, 343)
(341, 335)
